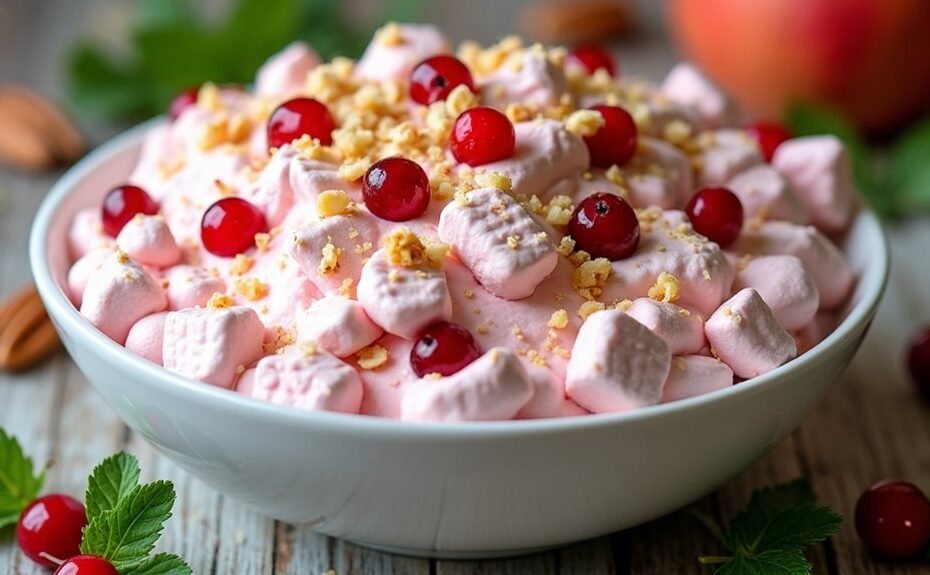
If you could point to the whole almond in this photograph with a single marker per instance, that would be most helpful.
(572, 21)
(63, 136)
(27, 335)
(23, 145)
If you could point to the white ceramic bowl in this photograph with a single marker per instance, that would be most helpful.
(450, 490)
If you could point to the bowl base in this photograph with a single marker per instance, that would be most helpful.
(456, 555)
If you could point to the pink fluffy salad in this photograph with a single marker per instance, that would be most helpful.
(503, 232)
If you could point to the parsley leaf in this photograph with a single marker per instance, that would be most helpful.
(126, 534)
(161, 564)
(777, 562)
(114, 478)
(19, 484)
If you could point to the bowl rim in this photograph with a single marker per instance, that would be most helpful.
(872, 284)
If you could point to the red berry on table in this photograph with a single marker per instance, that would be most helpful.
(717, 214)
(229, 226)
(918, 362)
(432, 79)
(482, 135)
(605, 226)
(893, 519)
(183, 101)
(86, 565)
(51, 525)
(121, 204)
(396, 189)
(769, 136)
(591, 58)
(615, 141)
(300, 117)
(444, 348)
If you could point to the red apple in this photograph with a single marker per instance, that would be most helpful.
(868, 58)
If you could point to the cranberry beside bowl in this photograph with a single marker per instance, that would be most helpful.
(443, 490)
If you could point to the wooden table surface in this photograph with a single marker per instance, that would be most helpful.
(869, 427)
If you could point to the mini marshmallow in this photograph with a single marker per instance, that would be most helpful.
(820, 171)
(493, 387)
(532, 80)
(785, 286)
(86, 233)
(545, 153)
(397, 48)
(212, 345)
(286, 72)
(687, 86)
(338, 325)
(190, 286)
(658, 175)
(548, 396)
(402, 300)
(682, 330)
(118, 294)
(272, 193)
(822, 260)
(82, 270)
(726, 153)
(765, 193)
(617, 364)
(655, 117)
(353, 237)
(694, 375)
(147, 336)
(504, 247)
(746, 336)
(148, 240)
(307, 379)
(309, 178)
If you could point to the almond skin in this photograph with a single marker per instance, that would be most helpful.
(27, 335)
(36, 135)
(569, 22)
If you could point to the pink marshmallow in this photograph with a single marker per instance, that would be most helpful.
(82, 270)
(659, 175)
(118, 294)
(549, 398)
(190, 286)
(654, 116)
(309, 380)
(401, 300)
(337, 325)
(693, 375)
(785, 286)
(746, 336)
(493, 387)
(212, 345)
(86, 233)
(820, 171)
(682, 330)
(146, 337)
(726, 153)
(286, 72)
(387, 61)
(532, 80)
(356, 235)
(309, 178)
(816, 330)
(504, 247)
(687, 86)
(147, 240)
(272, 193)
(617, 364)
(765, 193)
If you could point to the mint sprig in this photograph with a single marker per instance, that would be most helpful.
(19, 483)
(769, 537)
(115, 478)
(161, 564)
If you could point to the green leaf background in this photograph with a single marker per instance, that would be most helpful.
(19, 484)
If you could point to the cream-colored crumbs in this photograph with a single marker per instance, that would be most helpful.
(308, 349)
(241, 264)
(208, 97)
(363, 247)
(281, 338)
(584, 123)
(372, 357)
(353, 170)
(665, 289)
(262, 240)
(121, 256)
(225, 130)
(251, 289)
(517, 332)
(517, 112)
(223, 188)
(390, 35)
(469, 294)
(220, 301)
(168, 169)
(329, 263)
(589, 278)
(558, 320)
(615, 176)
(624, 305)
(493, 180)
(513, 242)
(677, 132)
(536, 358)
(566, 246)
(240, 369)
(743, 261)
(345, 289)
(460, 99)
(679, 363)
(404, 248)
(559, 212)
(706, 275)
(333, 203)
(589, 307)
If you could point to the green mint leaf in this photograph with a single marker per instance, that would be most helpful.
(909, 170)
(777, 562)
(126, 534)
(794, 528)
(115, 478)
(161, 564)
(764, 505)
(19, 483)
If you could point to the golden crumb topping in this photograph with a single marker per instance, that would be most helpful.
(665, 289)
(372, 357)
(241, 265)
(589, 278)
(559, 319)
(584, 123)
(493, 180)
(333, 203)
(220, 301)
(251, 289)
(329, 263)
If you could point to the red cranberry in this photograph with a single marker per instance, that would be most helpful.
(605, 226)
(717, 214)
(893, 519)
(769, 136)
(229, 226)
(51, 525)
(121, 204)
(918, 362)
(482, 135)
(86, 565)
(396, 189)
(435, 77)
(444, 348)
(300, 117)
(591, 58)
(183, 101)
(615, 141)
